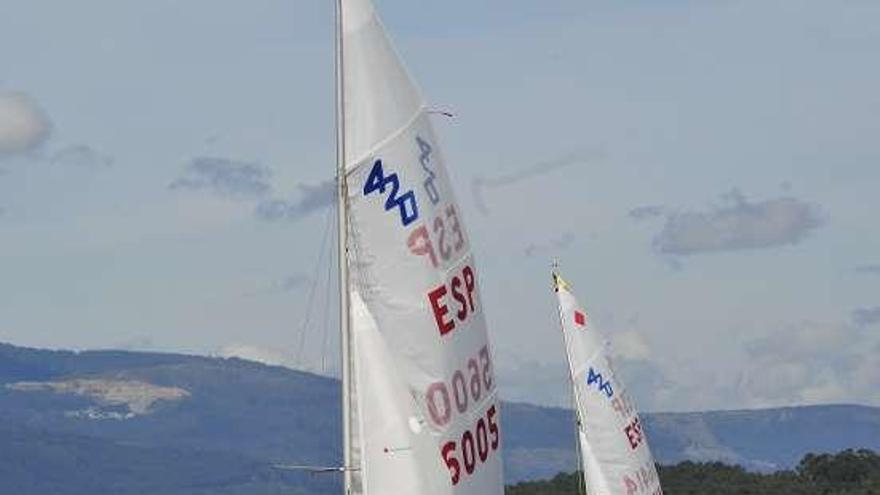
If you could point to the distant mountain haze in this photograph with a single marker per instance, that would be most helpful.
(132, 422)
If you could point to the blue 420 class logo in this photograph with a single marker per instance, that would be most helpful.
(596, 378)
(406, 202)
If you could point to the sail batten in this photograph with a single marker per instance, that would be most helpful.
(615, 456)
(425, 416)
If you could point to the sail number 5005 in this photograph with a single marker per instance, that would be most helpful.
(475, 446)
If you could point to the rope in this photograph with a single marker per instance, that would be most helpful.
(312, 289)
(327, 308)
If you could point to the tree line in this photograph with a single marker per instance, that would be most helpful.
(850, 472)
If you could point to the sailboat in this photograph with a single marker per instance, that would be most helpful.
(420, 409)
(612, 447)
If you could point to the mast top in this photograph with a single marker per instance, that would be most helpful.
(559, 282)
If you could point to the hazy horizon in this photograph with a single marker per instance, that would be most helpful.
(706, 173)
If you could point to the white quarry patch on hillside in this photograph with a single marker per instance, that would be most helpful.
(99, 414)
(138, 396)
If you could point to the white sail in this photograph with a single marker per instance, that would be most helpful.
(425, 417)
(614, 450)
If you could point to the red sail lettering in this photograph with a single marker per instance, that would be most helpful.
(631, 486)
(440, 310)
(470, 284)
(440, 230)
(456, 293)
(451, 462)
(419, 243)
(462, 286)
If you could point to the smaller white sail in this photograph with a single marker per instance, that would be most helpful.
(614, 450)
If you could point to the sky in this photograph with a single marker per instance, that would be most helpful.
(705, 173)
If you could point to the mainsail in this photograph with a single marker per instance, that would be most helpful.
(420, 398)
(614, 450)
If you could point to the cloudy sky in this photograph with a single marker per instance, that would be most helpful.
(706, 172)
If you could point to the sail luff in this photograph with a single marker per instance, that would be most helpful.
(557, 284)
(342, 254)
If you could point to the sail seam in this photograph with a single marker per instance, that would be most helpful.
(391, 137)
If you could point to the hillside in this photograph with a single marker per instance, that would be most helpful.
(211, 425)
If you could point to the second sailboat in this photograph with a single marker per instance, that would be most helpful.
(613, 448)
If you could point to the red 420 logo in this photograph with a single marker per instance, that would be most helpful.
(474, 446)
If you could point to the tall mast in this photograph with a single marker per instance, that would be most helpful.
(342, 254)
(582, 485)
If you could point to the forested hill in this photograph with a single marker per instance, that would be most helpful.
(846, 473)
(109, 421)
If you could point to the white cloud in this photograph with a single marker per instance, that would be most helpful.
(800, 363)
(631, 345)
(23, 125)
(866, 316)
(528, 380)
(646, 211)
(81, 155)
(811, 363)
(224, 177)
(311, 198)
(869, 269)
(737, 224)
(552, 247)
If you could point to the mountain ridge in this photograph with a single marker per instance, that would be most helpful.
(263, 415)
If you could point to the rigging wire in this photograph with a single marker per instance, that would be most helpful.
(313, 288)
(326, 321)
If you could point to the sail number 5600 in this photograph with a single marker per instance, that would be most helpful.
(467, 387)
